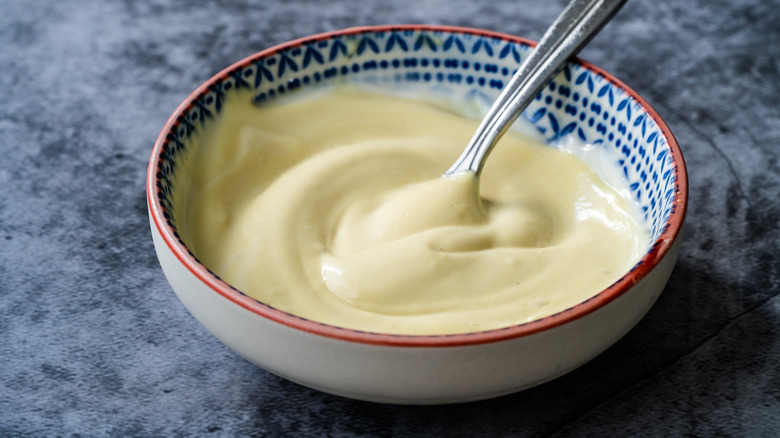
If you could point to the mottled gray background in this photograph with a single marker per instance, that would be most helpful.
(93, 342)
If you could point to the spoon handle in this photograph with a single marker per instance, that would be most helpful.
(573, 28)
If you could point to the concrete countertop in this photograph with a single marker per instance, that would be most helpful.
(94, 342)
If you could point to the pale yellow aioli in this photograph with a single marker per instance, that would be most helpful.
(332, 208)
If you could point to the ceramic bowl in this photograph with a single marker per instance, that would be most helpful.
(583, 102)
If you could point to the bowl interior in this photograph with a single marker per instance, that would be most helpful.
(582, 103)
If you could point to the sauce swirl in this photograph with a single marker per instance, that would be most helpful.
(333, 208)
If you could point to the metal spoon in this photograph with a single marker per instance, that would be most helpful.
(573, 28)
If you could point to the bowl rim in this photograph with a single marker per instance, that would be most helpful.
(660, 247)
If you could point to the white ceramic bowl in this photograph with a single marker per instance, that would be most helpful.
(583, 101)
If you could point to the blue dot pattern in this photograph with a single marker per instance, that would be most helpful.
(578, 102)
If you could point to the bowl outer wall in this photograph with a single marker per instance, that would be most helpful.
(446, 369)
(413, 374)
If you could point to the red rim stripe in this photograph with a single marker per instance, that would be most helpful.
(659, 249)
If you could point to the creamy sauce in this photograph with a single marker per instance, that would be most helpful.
(333, 208)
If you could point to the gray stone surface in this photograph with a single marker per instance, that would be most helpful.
(94, 343)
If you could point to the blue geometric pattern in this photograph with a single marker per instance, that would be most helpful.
(578, 102)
